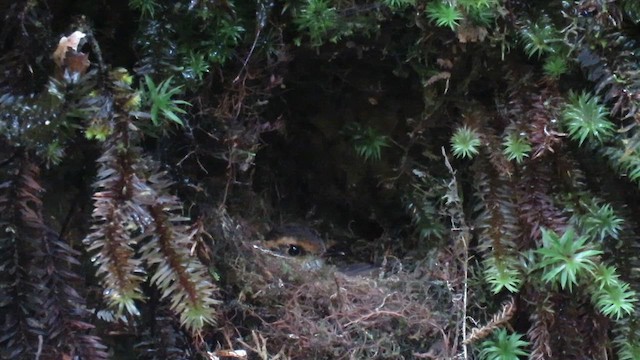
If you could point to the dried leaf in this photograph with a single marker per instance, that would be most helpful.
(65, 44)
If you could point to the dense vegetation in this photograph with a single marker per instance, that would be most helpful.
(484, 153)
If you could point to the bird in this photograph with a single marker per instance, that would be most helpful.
(295, 240)
(305, 243)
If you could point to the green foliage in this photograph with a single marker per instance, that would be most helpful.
(612, 296)
(424, 208)
(196, 65)
(504, 346)
(605, 276)
(147, 8)
(398, 5)
(465, 142)
(502, 274)
(601, 222)
(480, 12)
(162, 103)
(318, 20)
(98, 130)
(367, 142)
(628, 350)
(555, 66)
(617, 301)
(516, 147)
(54, 153)
(444, 14)
(223, 37)
(632, 10)
(627, 163)
(539, 37)
(585, 118)
(565, 259)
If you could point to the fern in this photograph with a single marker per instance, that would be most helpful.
(502, 274)
(162, 103)
(539, 37)
(555, 66)
(147, 8)
(367, 142)
(465, 142)
(601, 222)
(444, 14)
(616, 301)
(516, 147)
(504, 346)
(318, 19)
(586, 118)
(398, 5)
(566, 259)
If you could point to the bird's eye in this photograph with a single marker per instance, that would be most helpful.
(294, 250)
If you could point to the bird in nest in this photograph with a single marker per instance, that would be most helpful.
(302, 242)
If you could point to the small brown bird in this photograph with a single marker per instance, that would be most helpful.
(295, 240)
(303, 242)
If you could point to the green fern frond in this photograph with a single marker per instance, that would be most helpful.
(586, 118)
(632, 10)
(502, 274)
(367, 142)
(504, 346)
(444, 14)
(318, 19)
(602, 222)
(616, 301)
(605, 276)
(628, 350)
(625, 162)
(539, 37)
(516, 147)
(555, 66)
(465, 142)
(147, 8)
(397, 5)
(162, 103)
(567, 258)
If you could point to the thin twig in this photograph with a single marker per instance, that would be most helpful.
(459, 223)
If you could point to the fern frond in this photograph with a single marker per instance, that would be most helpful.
(21, 303)
(498, 320)
(181, 277)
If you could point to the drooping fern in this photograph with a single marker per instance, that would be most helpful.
(139, 228)
(542, 318)
(43, 311)
(21, 317)
(499, 227)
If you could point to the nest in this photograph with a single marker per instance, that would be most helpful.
(287, 309)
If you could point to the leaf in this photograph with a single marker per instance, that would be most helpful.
(66, 43)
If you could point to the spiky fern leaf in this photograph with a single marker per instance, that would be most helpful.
(566, 259)
(444, 14)
(21, 317)
(55, 308)
(114, 231)
(181, 278)
(535, 205)
(539, 334)
(586, 118)
(539, 37)
(465, 142)
(504, 346)
(499, 226)
(138, 223)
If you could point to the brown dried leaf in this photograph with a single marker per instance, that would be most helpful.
(468, 33)
(66, 43)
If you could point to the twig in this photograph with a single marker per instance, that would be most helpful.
(373, 314)
(459, 223)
